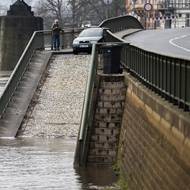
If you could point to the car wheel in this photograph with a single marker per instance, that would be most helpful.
(75, 52)
(89, 51)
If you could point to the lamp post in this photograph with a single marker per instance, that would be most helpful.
(147, 8)
(168, 14)
(107, 2)
(133, 7)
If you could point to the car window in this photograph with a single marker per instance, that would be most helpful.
(92, 32)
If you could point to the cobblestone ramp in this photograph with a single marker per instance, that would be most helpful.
(59, 101)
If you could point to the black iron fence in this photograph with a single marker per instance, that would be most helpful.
(167, 76)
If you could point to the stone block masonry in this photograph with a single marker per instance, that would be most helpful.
(16, 30)
(154, 142)
(107, 120)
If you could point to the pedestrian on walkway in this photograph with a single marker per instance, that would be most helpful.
(56, 30)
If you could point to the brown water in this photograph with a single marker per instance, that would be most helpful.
(37, 164)
(42, 157)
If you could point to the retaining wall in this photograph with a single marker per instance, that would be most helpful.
(15, 33)
(154, 148)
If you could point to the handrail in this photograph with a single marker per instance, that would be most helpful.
(19, 70)
(88, 93)
(168, 76)
(40, 41)
(87, 112)
(165, 75)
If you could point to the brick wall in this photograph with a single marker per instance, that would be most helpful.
(107, 120)
(154, 142)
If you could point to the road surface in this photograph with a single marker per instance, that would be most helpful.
(171, 42)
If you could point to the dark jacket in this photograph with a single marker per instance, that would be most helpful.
(56, 29)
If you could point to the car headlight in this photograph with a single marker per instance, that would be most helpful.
(75, 42)
(93, 42)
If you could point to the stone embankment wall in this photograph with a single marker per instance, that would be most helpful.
(15, 33)
(16, 30)
(154, 141)
(105, 132)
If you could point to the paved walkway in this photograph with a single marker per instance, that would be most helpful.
(59, 104)
(169, 42)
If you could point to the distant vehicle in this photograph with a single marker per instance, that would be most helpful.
(83, 43)
(86, 23)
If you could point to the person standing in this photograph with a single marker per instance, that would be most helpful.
(56, 30)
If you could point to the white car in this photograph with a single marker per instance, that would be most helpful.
(83, 43)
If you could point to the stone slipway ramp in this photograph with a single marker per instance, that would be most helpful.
(58, 102)
(14, 114)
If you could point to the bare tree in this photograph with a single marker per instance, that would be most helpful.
(28, 1)
(76, 12)
(41, 11)
(55, 6)
(93, 11)
(50, 10)
(97, 11)
(74, 8)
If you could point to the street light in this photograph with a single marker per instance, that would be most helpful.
(147, 8)
(107, 2)
(133, 7)
(168, 12)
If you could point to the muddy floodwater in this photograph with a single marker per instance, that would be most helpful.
(42, 157)
(37, 164)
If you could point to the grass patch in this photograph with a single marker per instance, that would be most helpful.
(121, 183)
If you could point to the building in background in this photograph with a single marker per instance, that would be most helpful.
(178, 11)
(160, 13)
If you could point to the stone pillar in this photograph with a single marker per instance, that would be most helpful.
(15, 31)
(105, 133)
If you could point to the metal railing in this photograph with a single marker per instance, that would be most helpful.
(40, 40)
(88, 111)
(36, 42)
(167, 76)
(66, 38)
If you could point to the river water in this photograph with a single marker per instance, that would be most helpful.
(42, 157)
(38, 163)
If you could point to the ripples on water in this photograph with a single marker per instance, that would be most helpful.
(29, 164)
